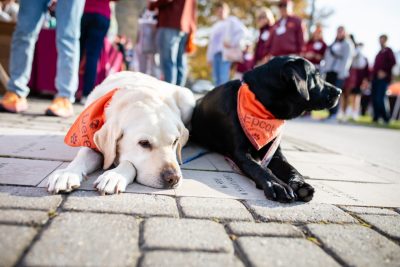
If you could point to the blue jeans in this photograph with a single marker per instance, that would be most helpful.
(171, 45)
(220, 69)
(379, 99)
(30, 19)
(94, 28)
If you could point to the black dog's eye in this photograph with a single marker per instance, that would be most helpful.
(145, 144)
(176, 141)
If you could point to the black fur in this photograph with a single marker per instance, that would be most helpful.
(286, 86)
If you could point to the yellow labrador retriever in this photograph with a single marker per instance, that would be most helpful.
(143, 135)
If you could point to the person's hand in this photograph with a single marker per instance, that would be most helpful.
(227, 45)
(381, 74)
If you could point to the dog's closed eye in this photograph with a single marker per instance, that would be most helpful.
(145, 144)
(175, 142)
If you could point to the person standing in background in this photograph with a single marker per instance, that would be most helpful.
(360, 70)
(30, 18)
(224, 46)
(246, 64)
(315, 48)
(176, 20)
(381, 78)
(287, 35)
(337, 61)
(146, 43)
(94, 27)
(265, 21)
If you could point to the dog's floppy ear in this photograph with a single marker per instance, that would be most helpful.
(181, 143)
(294, 72)
(106, 140)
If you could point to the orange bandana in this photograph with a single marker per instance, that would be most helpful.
(89, 122)
(257, 122)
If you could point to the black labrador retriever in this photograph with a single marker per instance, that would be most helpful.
(286, 87)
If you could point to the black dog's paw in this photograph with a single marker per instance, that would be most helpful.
(304, 191)
(279, 192)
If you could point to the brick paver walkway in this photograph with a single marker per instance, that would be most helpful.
(148, 227)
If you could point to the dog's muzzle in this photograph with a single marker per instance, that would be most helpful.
(333, 96)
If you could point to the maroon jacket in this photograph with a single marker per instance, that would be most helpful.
(261, 46)
(288, 43)
(316, 47)
(384, 61)
(176, 14)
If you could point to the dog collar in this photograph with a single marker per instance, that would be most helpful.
(89, 122)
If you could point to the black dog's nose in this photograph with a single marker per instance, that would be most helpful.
(170, 176)
(337, 91)
(333, 91)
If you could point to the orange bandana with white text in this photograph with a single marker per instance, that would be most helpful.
(89, 122)
(257, 122)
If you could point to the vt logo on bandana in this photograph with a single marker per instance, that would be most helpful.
(89, 122)
(259, 125)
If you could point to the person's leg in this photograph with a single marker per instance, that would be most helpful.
(69, 15)
(97, 30)
(225, 71)
(216, 68)
(181, 60)
(383, 100)
(374, 98)
(142, 60)
(168, 43)
(82, 40)
(30, 18)
(356, 106)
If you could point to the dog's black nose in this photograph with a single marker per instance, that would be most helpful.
(170, 176)
(333, 91)
(337, 91)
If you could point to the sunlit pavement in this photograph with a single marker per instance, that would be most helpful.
(216, 218)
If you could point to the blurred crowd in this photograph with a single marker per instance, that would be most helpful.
(166, 31)
(342, 63)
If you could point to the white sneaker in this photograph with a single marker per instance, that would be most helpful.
(340, 116)
(355, 115)
(349, 113)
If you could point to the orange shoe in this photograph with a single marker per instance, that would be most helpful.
(60, 107)
(12, 102)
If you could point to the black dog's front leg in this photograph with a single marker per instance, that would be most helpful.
(287, 173)
(274, 188)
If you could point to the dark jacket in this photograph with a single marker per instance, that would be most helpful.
(176, 14)
(317, 47)
(384, 61)
(261, 46)
(289, 43)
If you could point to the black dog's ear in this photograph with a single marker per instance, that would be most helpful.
(294, 72)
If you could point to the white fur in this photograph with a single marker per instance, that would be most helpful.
(144, 109)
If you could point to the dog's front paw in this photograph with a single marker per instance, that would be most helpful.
(304, 191)
(110, 182)
(279, 192)
(63, 181)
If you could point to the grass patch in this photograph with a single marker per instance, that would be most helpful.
(367, 121)
(362, 120)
